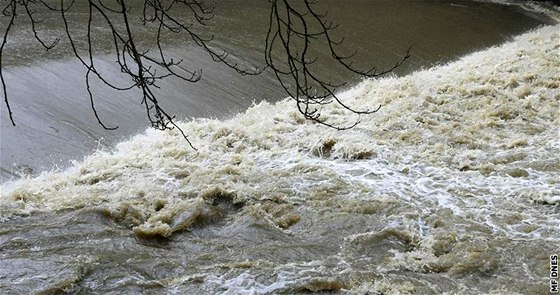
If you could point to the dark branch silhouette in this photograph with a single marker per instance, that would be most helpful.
(293, 28)
(10, 11)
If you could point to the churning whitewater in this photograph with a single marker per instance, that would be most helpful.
(453, 186)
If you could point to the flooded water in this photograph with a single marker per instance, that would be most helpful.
(56, 125)
(453, 186)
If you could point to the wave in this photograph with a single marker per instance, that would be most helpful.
(484, 112)
(458, 158)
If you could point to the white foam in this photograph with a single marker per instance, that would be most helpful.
(459, 130)
(472, 145)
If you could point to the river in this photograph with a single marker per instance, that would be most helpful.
(453, 186)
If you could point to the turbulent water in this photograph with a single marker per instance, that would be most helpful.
(55, 123)
(453, 186)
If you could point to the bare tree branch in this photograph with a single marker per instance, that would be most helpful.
(10, 11)
(293, 28)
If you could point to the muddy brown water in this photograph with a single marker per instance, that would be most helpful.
(452, 187)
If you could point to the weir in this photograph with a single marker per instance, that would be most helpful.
(453, 186)
(56, 125)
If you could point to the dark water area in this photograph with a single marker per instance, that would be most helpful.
(55, 123)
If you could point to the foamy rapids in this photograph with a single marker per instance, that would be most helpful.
(459, 171)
